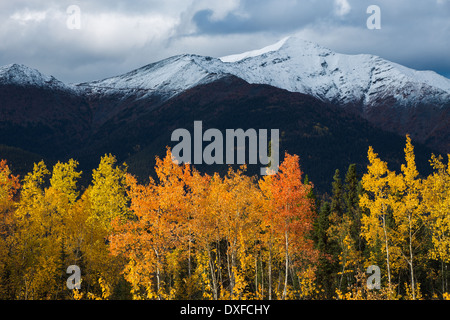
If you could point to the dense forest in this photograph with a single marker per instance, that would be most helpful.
(190, 235)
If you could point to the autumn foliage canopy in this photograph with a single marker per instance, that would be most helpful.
(188, 235)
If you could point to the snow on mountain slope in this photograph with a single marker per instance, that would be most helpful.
(292, 64)
(302, 66)
(22, 75)
(166, 78)
(254, 53)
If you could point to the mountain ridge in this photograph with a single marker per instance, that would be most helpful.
(292, 63)
(330, 106)
(389, 95)
(295, 65)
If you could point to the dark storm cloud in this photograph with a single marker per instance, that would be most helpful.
(256, 16)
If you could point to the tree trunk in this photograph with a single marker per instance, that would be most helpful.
(213, 274)
(256, 273)
(230, 275)
(387, 252)
(286, 264)
(262, 279)
(270, 270)
(413, 287)
(189, 253)
(157, 275)
(344, 262)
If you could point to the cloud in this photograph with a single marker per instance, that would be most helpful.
(262, 16)
(27, 15)
(342, 7)
(219, 10)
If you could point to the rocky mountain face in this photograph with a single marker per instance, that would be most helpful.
(40, 114)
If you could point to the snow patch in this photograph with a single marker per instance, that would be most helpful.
(254, 53)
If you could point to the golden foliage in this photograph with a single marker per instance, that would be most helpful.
(188, 235)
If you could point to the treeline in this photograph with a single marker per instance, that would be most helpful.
(188, 235)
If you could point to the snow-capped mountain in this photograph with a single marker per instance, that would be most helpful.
(292, 64)
(165, 78)
(389, 96)
(302, 66)
(19, 74)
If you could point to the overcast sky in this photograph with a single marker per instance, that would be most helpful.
(116, 36)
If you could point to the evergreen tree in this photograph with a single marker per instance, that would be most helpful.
(327, 266)
(337, 205)
(352, 192)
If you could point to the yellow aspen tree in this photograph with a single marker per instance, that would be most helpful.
(408, 210)
(436, 198)
(201, 236)
(239, 220)
(32, 242)
(44, 222)
(108, 196)
(64, 180)
(376, 199)
(104, 200)
(60, 198)
(211, 232)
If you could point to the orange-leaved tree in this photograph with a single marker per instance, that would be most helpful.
(153, 240)
(290, 217)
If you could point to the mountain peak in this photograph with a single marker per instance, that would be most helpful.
(300, 65)
(23, 75)
(300, 46)
(294, 44)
